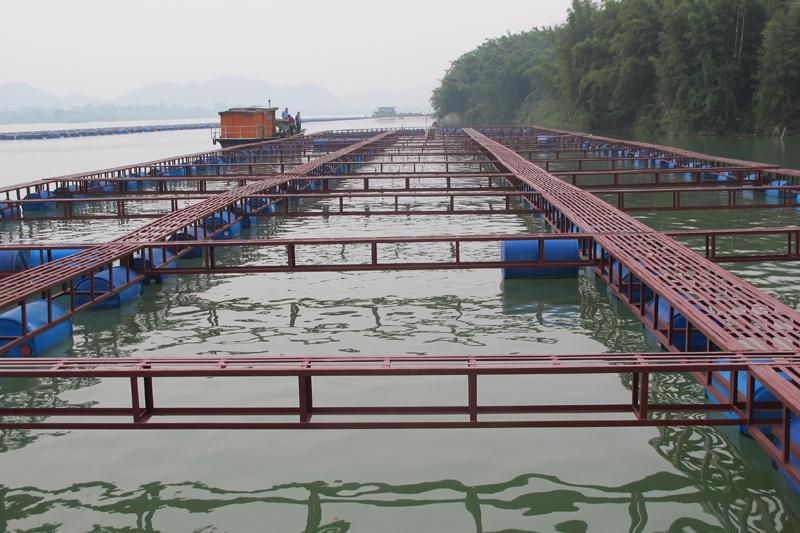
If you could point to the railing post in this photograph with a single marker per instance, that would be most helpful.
(643, 395)
(135, 407)
(305, 396)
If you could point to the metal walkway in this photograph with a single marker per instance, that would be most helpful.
(145, 412)
(63, 273)
(733, 314)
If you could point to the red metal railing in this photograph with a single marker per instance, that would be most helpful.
(144, 412)
(16, 289)
(707, 296)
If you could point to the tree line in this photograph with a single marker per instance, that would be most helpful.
(678, 66)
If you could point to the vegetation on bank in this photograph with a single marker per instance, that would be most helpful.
(679, 66)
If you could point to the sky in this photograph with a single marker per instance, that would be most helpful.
(106, 48)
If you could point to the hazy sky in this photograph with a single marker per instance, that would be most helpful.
(105, 48)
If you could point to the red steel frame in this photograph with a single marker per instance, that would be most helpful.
(689, 283)
(142, 375)
(58, 278)
(765, 345)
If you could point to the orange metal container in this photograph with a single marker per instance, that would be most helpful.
(247, 123)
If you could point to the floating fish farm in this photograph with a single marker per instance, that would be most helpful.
(740, 344)
(93, 132)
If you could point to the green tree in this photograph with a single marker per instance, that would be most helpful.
(705, 66)
(778, 96)
(490, 83)
(707, 60)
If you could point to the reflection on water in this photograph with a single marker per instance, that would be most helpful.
(715, 486)
(38, 393)
(748, 147)
(729, 468)
(259, 314)
(533, 502)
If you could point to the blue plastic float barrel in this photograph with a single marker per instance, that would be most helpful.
(244, 220)
(688, 175)
(44, 206)
(623, 287)
(39, 257)
(528, 251)
(718, 176)
(68, 191)
(14, 260)
(760, 394)
(204, 166)
(255, 205)
(101, 186)
(191, 234)
(101, 285)
(134, 185)
(174, 171)
(36, 315)
(776, 192)
(161, 259)
(794, 437)
(698, 340)
(217, 221)
(8, 211)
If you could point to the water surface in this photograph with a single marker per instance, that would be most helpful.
(634, 479)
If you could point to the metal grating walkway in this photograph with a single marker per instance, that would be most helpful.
(733, 314)
(18, 287)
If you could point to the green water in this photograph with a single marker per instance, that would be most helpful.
(627, 479)
(749, 148)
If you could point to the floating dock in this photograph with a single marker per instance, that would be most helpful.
(39, 135)
(740, 343)
(92, 132)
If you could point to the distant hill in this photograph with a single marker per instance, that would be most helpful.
(16, 95)
(208, 96)
(227, 91)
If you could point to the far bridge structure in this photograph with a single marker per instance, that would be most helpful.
(741, 344)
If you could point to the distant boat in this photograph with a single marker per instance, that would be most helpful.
(384, 112)
(244, 125)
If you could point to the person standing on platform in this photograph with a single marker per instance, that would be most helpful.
(298, 123)
(291, 125)
(285, 114)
